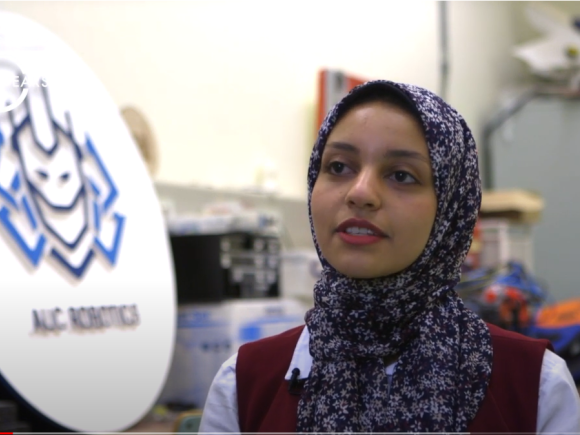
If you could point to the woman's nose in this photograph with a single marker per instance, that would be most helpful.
(364, 192)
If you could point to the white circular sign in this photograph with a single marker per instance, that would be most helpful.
(87, 297)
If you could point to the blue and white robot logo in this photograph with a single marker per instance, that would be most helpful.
(57, 198)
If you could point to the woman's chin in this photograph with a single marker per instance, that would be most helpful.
(362, 271)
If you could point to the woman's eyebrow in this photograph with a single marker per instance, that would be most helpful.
(407, 154)
(343, 146)
(398, 153)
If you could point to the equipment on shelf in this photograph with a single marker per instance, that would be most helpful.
(510, 297)
(507, 296)
(214, 267)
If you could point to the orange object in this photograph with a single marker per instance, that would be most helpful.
(565, 313)
(514, 301)
(490, 294)
(332, 87)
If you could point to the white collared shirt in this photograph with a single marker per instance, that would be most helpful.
(558, 403)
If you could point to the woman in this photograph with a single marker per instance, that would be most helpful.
(394, 193)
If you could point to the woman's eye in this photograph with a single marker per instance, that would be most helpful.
(337, 168)
(403, 177)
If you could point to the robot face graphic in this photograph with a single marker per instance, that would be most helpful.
(66, 206)
(55, 182)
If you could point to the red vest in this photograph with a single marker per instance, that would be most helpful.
(510, 404)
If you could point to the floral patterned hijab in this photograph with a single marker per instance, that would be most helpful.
(444, 350)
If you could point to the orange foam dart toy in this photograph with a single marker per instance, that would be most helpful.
(559, 315)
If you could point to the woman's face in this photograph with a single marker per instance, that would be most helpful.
(373, 204)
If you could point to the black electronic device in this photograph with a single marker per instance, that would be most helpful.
(9, 421)
(215, 267)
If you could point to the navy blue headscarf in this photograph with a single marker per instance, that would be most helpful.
(444, 350)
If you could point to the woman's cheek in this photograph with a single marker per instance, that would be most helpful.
(418, 215)
(319, 214)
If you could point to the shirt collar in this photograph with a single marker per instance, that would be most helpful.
(301, 359)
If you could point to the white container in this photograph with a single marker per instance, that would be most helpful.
(503, 241)
(208, 334)
(299, 272)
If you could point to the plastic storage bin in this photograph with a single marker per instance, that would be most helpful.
(208, 334)
(300, 269)
(504, 240)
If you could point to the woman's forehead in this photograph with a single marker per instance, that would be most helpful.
(377, 127)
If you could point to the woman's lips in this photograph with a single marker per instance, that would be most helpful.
(359, 239)
(359, 232)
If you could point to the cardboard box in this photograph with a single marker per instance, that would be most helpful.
(516, 205)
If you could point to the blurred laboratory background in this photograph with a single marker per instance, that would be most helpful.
(223, 100)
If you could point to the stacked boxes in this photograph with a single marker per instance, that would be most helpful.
(504, 241)
(507, 218)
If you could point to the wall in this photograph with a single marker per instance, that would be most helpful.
(227, 84)
(537, 150)
(541, 154)
(525, 32)
(482, 36)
